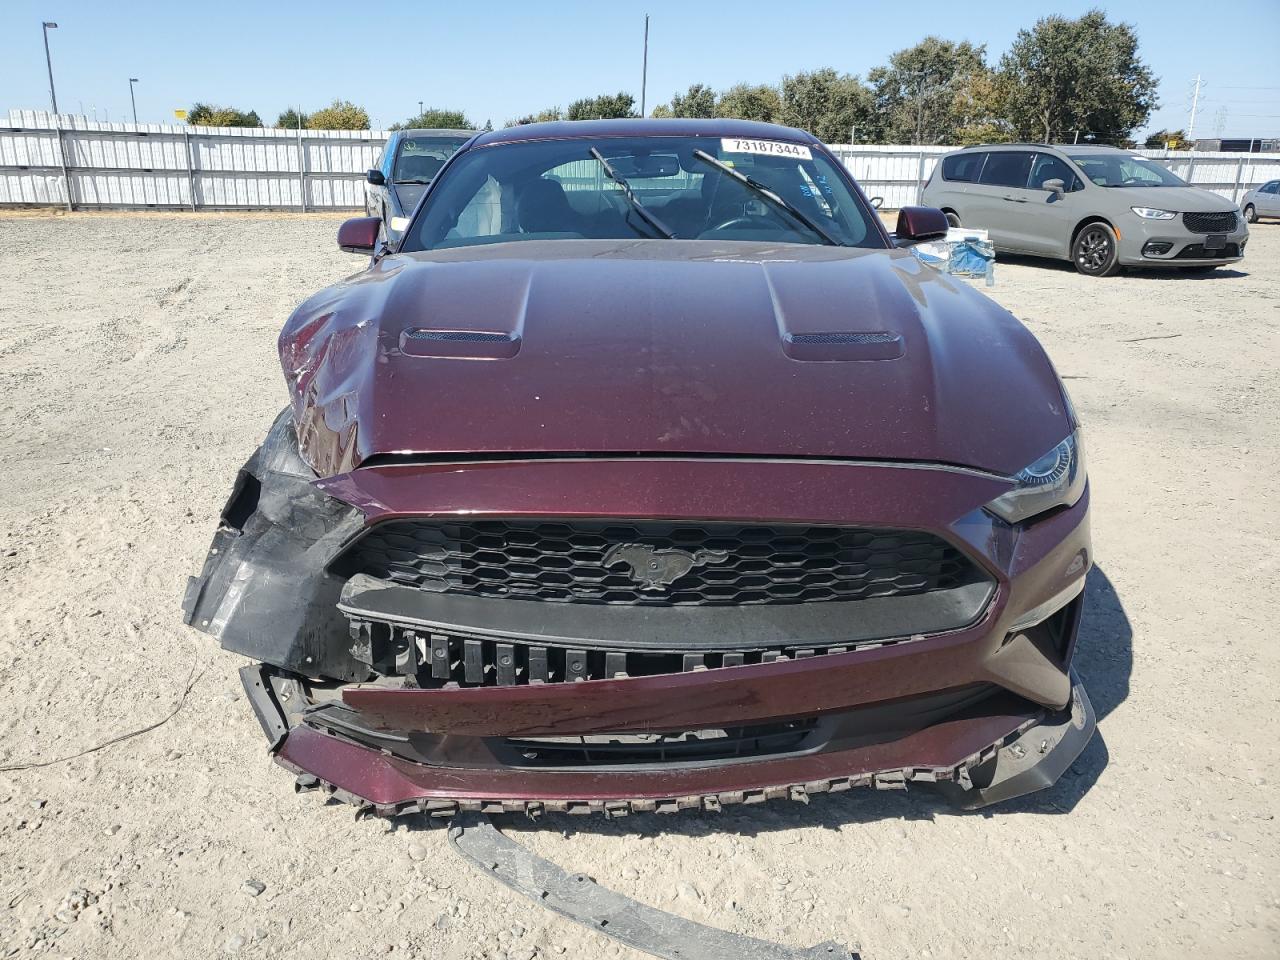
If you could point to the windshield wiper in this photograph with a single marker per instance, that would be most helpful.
(769, 195)
(416, 180)
(640, 208)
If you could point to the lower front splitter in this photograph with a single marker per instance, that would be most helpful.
(978, 759)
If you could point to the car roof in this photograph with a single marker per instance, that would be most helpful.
(424, 132)
(1064, 147)
(663, 127)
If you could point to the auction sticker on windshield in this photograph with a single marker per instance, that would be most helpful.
(768, 148)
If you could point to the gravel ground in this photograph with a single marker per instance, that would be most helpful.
(137, 371)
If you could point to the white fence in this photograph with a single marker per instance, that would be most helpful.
(79, 163)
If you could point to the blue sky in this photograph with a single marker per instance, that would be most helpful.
(498, 60)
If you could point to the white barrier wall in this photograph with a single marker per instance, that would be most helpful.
(80, 163)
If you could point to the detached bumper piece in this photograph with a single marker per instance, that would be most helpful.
(578, 897)
(988, 746)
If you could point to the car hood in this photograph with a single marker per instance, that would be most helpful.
(408, 195)
(1179, 199)
(667, 348)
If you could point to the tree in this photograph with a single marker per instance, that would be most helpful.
(979, 100)
(433, 118)
(1162, 138)
(829, 105)
(339, 115)
(1067, 78)
(542, 116)
(205, 115)
(919, 94)
(291, 119)
(604, 107)
(745, 101)
(698, 101)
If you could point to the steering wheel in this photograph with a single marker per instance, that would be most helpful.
(746, 222)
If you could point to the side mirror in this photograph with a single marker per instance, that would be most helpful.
(876, 202)
(917, 224)
(375, 177)
(1055, 186)
(359, 234)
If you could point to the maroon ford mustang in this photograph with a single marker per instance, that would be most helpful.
(647, 473)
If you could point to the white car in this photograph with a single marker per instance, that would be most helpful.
(1263, 201)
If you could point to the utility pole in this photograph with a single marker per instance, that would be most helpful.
(1195, 102)
(132, 101)
(48, 62)
(644, 70)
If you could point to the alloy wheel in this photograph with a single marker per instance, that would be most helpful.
(1095, 250)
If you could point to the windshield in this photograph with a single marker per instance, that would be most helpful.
(420, 158)
(1124, 170)
(608, 188)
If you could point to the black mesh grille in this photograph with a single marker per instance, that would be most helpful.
(459, 336)
(831, 338)
(1209, 222)
(657, 563)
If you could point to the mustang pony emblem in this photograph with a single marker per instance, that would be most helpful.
(653, 568)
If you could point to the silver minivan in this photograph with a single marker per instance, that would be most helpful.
(1102, 208)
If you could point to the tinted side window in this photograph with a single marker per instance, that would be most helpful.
(962, 167)
(388, 155)
(1272, 187)
(1049, 167)
(1008, 169)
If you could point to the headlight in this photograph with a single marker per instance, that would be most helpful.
(1055, 480)
(1151, 213)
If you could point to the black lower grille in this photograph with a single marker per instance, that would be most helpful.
(1210, 222)
(690, 746)
(1196, 251)
(657, 563)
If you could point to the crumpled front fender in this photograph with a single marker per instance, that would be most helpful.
(264, 591)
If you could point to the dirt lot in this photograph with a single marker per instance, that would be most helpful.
(137, 372)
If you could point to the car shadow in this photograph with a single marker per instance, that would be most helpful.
(1152, 273)
(1103, 660)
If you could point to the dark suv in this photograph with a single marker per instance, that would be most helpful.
(1099, 207)
(645, 472)
(410, 160)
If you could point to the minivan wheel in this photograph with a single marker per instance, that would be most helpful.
(1250, 214)
(1094, 253)
(953, 219)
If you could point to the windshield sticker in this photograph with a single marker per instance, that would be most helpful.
(768, 148)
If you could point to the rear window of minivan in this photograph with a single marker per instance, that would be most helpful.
(962, 167)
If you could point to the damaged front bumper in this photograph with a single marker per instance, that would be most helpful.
(981, 755)
(400, 699)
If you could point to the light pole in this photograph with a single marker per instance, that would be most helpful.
(644, 69)
(48, 62)
(132, 101)
(419, 108)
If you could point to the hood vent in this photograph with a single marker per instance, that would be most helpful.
(843, 345)
(458, 336)
(459, 344)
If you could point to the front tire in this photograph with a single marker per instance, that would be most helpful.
(1250, 214)
(1095, 251)
(953, 219)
